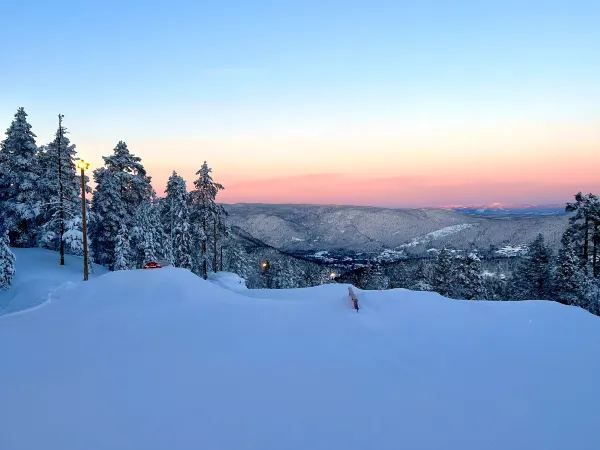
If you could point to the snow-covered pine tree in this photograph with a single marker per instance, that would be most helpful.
(60, 188)
(421, 277)
(20, 200)
(107, 215)
(533, 277)
(122, 249)
(443, 272)
(7, 262)
(122, 185)
(590, 299)
(147, 235)
(468, 283)
(569, 279)
(585, 222)
(219, 229)
(176, 221)
(225, 235)
(203, 202)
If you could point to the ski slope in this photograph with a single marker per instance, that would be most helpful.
(162, 360)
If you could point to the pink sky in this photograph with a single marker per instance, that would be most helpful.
(512, 164)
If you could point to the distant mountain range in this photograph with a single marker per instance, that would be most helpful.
(516, 211)
(350, 233)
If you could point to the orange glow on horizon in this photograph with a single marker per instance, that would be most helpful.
(408, 167)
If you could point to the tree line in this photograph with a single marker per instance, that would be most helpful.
(129, 225)
(571, 277)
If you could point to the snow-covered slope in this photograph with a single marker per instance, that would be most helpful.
(164, 360)
(38, 275)
(306, 229)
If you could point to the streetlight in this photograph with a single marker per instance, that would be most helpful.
(83, 166)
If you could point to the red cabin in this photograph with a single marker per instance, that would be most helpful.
(152, 265)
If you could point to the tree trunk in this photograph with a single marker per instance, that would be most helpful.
(61, 202)
(204, 262)
(215, 237)
(221, 259)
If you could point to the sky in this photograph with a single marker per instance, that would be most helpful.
(384, 103)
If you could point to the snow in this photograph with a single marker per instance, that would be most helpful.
(228, 280)
(511, 251)
(437, 234)
(323, 255)
(161, 359)
(35, 285)
(389, 255)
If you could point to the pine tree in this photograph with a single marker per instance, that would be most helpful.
(569, 278)
(468, 283)
(220, 230)
(225, 236)
(7, 262)
(122, 185)
(20, 200)
(176, 219)
(443, 273)
(122, 249)
(60, 188)
(203, 201)
(147, 235)
(590, 298)
(533, 276)
(585, 226)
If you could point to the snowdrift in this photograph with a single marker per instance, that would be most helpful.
(161, 360)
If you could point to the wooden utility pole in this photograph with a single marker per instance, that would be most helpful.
(83, 165)
(61, 199)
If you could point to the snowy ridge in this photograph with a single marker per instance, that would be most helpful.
(437, 234)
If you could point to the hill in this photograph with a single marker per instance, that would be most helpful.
(338, 232)
(162, 359)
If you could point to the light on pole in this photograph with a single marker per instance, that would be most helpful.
(83, 166)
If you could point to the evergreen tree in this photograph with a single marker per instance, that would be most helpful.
(7, 262)
(60, 188)
(122, 249)
(585, 229)
(590, 298)
(203, 201)
(219, 231)
(569, 278)
(468, 283)
(147, 235)
(533, 276)
(225, 235)
(443, 273)
(20, 200)
(421, 277)
(177, 222)
(121, 187)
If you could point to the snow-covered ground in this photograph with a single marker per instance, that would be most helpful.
(38, 275)
(161, 359)
(437, 234)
